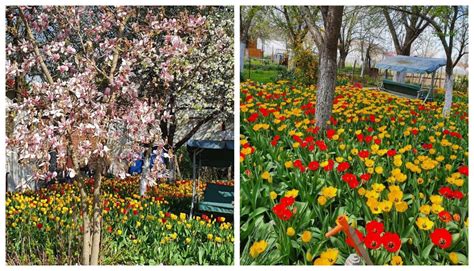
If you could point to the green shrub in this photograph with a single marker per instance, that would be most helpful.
(306, 67)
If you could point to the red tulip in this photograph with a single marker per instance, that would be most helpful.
(441, 238)
(287, 201)
(373, 241)
(445, 216)
(364, 154)
(374, 227)
(313, 165)
(464, 170)
(391, 152)
(343, 166)
(253, 117)
(391, 242)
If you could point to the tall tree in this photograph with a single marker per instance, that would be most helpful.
(204, 89)
(327, 38)
(247, 19)
(405, 27)
(369, 35)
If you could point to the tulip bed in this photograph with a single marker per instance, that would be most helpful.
(394, 167)
(44, 227)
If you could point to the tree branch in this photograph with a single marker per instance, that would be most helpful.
(30, 37)
(315, 33)
(117, 49)
(195, 129)
(392, 30)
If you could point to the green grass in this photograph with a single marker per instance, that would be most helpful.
(262, 70)
(261, 76)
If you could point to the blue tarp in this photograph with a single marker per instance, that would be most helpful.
(137, 166)
(411, 64)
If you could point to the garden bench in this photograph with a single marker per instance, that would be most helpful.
(408, 89)
(410, 64)
(218, 154)
(218, 199)
(412, 90)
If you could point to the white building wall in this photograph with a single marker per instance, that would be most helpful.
(270, 47)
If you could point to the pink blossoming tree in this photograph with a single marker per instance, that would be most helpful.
(93, 85)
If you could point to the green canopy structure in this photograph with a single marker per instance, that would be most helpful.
(218, 154)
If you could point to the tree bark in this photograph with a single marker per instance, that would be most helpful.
(367, 65)
(116, 50)
(342, 59)
(86, 236)
(195, 129)
(242, 55)
(332, 17)
(97, 215)
(448, 94)
(145, 168)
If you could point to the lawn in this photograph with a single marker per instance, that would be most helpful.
(262, 70)
(261, 76)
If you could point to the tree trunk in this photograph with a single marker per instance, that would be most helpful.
(353, 70)
(328, 66)
(178, 171)
(448, 95)
(242, 55)
(342, 59)
(96, 217)
(291, 60)
(146, 167)
(86, 236)
(366, 66)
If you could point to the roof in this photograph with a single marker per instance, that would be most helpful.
(217, 151)
(411, 64)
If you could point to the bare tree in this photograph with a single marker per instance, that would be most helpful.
(346, 36)
(287, 19)
(426, 45)
(327, 39)
(247, 16)
(405, 28)
(369, 36)
(450, 24)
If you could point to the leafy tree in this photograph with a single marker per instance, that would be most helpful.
(288, 20)
(247, 20)
(369, 35)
